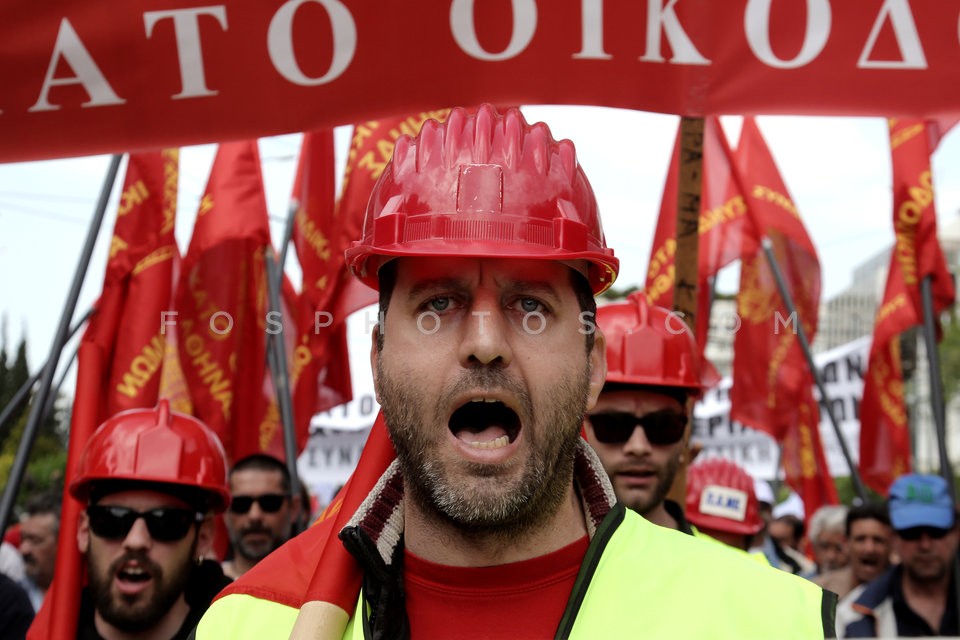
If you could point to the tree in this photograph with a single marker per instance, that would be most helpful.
(48, 456)
(950, 358)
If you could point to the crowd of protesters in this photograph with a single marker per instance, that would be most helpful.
(549, 481)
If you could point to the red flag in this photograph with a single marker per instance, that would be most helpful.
(121, 356)
(58, 615)
(314, 566)
(322, 233)
(772, 382)
(221, 302)
(320, 377)
(721, 230)
(884, 434)
(138, 286)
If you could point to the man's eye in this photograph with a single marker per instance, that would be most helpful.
(439, 304)
(529, 305)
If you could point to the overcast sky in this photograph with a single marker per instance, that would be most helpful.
(837, 170)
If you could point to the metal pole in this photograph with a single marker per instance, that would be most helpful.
(46, 379)
(278, 370)
(936, 382)
(808, 354)
(47, 410)
(936, 399)
(287, 236)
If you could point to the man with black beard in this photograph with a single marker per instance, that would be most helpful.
(151, 480)
(496, 519)
(637, 427)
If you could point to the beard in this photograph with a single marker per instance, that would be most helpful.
(485, 499)
(256, 552)
(645, 503)
(931, 570)
(127, 614)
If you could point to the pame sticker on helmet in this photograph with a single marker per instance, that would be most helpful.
(724, 502)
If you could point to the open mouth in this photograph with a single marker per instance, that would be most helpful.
(131, 578)
(485, 423)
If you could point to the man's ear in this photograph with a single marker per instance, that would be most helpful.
(598, 367)
(205, 537)
(83, 532)
(374, 354)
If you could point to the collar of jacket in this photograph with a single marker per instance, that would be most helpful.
(876, 591)
(374, 536)
(380, 516)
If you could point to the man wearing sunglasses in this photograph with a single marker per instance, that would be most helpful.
(151, 480)
(261, 513)
(496, 519)
(918, 596)
(637, 427)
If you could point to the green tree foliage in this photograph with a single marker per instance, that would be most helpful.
(950, 358)
(48, 456)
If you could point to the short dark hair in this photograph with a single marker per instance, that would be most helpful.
(796, 523)
(868, 511)
(387, 278)
(263, 462)
(42, 504)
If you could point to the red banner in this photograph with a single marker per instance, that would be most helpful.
(75, 83)
(221, 304)
(771, 378)
(884, 434)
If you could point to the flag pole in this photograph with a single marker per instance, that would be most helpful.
(936, 382)
(936, 399)
(767, 245)
(56, 388)
(278, 371)
(287, 236)
(46, 379)
(686, 263)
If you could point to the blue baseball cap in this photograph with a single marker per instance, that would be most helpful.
(920, 501)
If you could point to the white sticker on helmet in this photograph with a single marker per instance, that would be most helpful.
(724, 502)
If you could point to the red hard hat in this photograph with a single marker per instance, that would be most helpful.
(649, 345)
(483, 185)
(155, 446)
(720, 496)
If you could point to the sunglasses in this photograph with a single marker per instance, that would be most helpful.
(166, 524)
(269, 503)
(914, 533)
(660, 427)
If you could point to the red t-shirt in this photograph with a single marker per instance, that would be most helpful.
(519, 600)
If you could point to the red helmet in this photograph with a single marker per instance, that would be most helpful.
(479, 186)
(649, 345)
(156, 446)
(720, 496)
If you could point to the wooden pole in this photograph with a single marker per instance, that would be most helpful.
(686, 260)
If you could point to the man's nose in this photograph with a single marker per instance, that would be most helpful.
(486, 335)
(637, 444)
(139, 536)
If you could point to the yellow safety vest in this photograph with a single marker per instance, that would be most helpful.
(637, 579)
